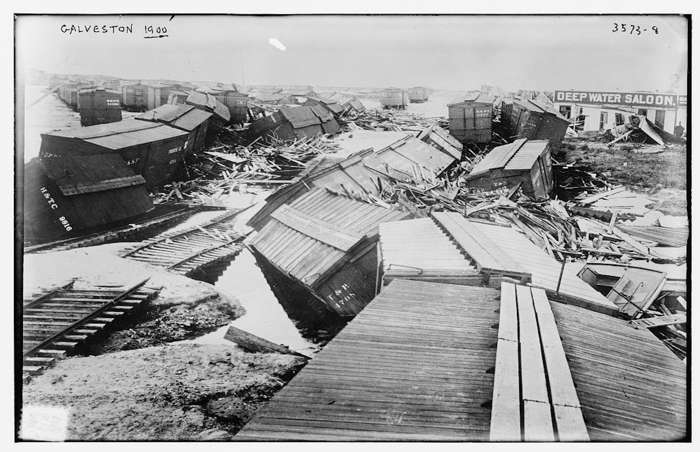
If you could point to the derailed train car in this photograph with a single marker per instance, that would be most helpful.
(153, 150)
(80, 192)
(184, 117)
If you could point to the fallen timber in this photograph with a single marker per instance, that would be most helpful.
(57, 322)
(187, 251)
(256, 344)
(418, 363)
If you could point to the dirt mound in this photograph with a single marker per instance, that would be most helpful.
(171, 392)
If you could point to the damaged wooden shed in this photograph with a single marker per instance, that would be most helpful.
(78, 192)
(289, 123)
(326, 243)
(524, 162)
(153, 150)
(367, 172)
(470, 118)
(184, 117)
(528, 119)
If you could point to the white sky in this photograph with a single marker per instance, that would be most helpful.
(449, 52)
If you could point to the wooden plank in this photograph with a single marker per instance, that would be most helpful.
(322, 231)
(532, 366)
(652, 322)
(505, 407)
(537, 421)
(567, 409)
(508, 320)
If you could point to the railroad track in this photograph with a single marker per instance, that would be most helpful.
(57, 322)
(186, 251)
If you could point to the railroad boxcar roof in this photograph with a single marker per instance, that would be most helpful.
(473, 97)
(497, 158)
(101, 130)
(181, 116)
(138, 137)
(322, 113)
(310, 236)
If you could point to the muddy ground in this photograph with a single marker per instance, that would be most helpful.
(172, 392)
(663, 175)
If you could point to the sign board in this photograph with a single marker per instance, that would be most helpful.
(649, 100)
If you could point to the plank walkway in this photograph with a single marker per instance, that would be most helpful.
(415, 364)
(534, 398)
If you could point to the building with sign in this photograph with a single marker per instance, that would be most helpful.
(593, 111)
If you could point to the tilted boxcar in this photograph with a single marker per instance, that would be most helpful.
(528, 119)
(134, 97)
(183, 117)
(470, 119)
(99, 106)
(290, 123)
(522, 162)
(393, 98)
(327, 243)
(233, 99)
(153, 150)
(78, 192)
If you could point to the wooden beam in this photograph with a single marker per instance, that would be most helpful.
(322, 231)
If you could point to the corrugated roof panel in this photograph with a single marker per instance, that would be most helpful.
(307, 258)
(527, 155)
(497, 158)
(299, 117)
(135, 138)
(505, 249)
(416, 152)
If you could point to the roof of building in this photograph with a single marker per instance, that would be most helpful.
(473, 97)
(299, 117)
(521, 154)
(309, 236)
(501, 250)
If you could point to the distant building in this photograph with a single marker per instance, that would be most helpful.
(597, 110)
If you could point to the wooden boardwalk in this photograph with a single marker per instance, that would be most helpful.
(415, 364)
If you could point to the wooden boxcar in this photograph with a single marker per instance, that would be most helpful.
(99, 106)
(156, 95)
(134, 97)
(418, 95)
(77, 192)
(528, 119)
(393, 98)
(470, 119)
(327, 243)
(153, 150)
(526, 162)
(184, 117)
(290, 123)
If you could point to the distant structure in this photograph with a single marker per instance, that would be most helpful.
(418, 95)
(99, 106)
(394, 98)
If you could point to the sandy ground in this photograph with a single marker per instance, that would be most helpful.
(172, 392)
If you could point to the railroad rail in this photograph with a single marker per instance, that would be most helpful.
(58, 321)
(186, 251)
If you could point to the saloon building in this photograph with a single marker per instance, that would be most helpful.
(597, 110)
